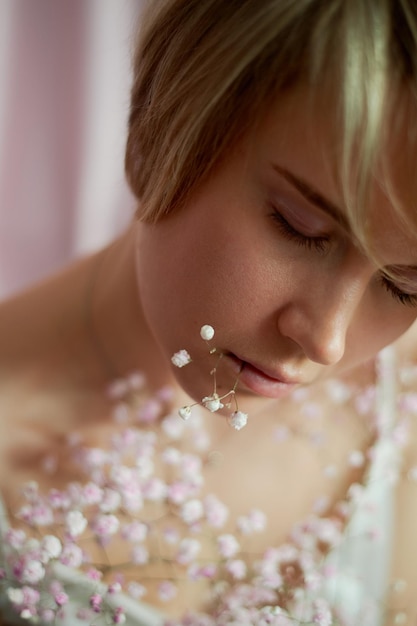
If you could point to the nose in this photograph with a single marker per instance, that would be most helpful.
(320, 316)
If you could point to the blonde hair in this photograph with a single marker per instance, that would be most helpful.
(205, 70)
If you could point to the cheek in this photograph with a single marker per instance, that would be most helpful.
(371, 335)
(194, 271)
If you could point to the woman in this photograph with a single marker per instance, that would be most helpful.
(271, 147)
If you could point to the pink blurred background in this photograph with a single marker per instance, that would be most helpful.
(64, 93)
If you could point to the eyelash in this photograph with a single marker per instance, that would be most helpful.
(320, 244)
(407, 299)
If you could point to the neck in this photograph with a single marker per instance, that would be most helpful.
(119, 332)
(85, 326)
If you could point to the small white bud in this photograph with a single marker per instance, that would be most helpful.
(181, 358)
(238, 420)
(212, 403)
(207, 332)
(185, 412)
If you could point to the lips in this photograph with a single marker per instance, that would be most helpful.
(261, 381)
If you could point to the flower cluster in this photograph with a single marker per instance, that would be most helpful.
(213, 402)
(146, 490)
(141, 499)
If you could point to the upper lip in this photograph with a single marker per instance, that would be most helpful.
(278, 375)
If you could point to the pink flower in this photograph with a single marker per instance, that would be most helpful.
(61, 598)
(236, 568)
(192, 511)
(114, 588)
(228, 546)
(171, 456)
(173, 427)
(136, 381)
(149, 412)
(135, 531)
(92, 493)
(15, 538)
(121, 475)
(216, 512)
(190, 466)
(37, 514)
(200, 572)
(94, 574)
(31, 596)
(47, 615)
(117, 389)
(106, 525)
(187, 551)
(167, 591)
(254, 522)
(33, 572)
(119, 616)
(155, 490)
(178, 492)
(72, 555)
(170, 535)
(322, 614)
(58, 499)
(110, 501)
(96, 601)
(140, 555)
(136, 590)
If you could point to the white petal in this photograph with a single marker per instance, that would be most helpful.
(207, 332)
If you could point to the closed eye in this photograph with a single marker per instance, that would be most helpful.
(407, 299)
(318, 243)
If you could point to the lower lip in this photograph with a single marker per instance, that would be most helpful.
(258, 382)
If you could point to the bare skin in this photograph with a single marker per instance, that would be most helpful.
(53, 379)
(270, 295)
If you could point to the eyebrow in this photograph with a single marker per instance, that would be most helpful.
(312, 195)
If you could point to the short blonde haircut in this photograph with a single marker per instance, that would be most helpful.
(205, 71)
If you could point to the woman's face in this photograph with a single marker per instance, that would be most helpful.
(262, 253)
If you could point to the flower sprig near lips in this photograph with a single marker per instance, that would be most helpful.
(181, 358)
(213, 402)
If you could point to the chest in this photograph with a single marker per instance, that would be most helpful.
(254, 485)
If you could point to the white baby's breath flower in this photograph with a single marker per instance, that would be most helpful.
(191, 511)
(207, 332)
(227, 546)
(181, 358)
(238, 420)
(51, 547)
(33, 572)
(76, 523)
(213, 403)
(15, 595)
(185, 412)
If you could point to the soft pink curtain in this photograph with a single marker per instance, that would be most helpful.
(64, 92)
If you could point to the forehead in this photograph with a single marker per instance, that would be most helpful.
(301, 132)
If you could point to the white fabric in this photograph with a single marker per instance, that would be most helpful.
(365, 563)
(79, 588)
